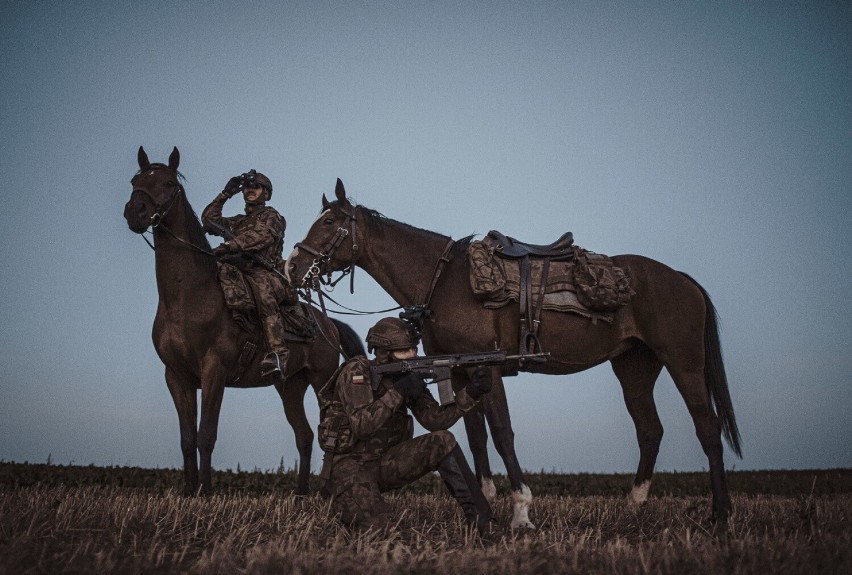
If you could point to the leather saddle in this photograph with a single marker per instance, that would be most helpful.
(509, 247)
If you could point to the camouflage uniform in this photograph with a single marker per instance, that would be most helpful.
(374, 450)
(247, 284)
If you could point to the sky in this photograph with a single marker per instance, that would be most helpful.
(715, 137)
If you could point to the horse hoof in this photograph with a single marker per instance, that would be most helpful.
(523, 526)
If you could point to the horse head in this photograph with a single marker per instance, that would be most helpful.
(326, 248)
(155, 189)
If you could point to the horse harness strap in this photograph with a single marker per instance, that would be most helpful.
(322, 256)
(439, 268)
(531, 304)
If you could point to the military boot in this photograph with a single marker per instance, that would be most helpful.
(275, 361)
(464, 487)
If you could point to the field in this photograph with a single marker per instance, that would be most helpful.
(56, 518)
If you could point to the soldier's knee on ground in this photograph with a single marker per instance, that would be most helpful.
(357, 498)
(361, 513)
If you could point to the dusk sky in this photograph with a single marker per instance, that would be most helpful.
(715, 137)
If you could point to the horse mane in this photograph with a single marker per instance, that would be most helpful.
(377, 221)
(194, 229)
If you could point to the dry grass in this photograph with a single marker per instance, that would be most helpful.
(92, 529)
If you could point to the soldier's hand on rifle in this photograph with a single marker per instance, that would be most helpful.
(410, 385)
(232, 187)
(480, 383)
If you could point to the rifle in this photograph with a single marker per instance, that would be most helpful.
(256, 258)
(438, 368)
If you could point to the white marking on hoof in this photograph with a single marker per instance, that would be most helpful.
(489, 489)
(639, 493)
(522, 499)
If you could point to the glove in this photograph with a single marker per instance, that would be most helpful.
(232, 187)
(480, 383)
(410, 385)
(223, 249)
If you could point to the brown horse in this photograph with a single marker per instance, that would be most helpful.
(197, 338)
(670, 322)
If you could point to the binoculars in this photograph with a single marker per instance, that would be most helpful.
(247, 178)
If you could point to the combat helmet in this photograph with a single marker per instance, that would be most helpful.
(391, 333)
(256, 177)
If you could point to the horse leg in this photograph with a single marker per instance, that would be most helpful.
(637, 370)
(496, 408)
(186, 402)
(292, 394)
(694, 391)
(477, 440)
(212, 391)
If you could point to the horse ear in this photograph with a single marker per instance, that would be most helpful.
(340, 192)
(174, 159)
(325, 203)
(142, 158)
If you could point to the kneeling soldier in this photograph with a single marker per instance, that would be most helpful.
(368, 435)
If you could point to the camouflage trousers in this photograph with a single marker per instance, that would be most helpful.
(357, 480)
(253, 288)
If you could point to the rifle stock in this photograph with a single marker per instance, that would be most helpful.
(438, 368)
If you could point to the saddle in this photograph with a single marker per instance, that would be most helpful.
(299, 324)
(559, 276)
(509, 247)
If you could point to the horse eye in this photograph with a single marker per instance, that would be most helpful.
(328, 221)
(170, 183)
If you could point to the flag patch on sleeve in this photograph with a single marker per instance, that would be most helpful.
(357, 380)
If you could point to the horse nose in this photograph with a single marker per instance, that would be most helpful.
(136, 206)
(135, 212)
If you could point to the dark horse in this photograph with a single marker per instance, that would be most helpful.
(669, 322)
(198, 339)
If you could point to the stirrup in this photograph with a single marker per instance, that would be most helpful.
(270, 364)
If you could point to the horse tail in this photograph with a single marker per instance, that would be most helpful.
(350, 342)
(714, 374)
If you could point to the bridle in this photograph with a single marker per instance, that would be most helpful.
(323, 286)
(313, 276)
(162, 210)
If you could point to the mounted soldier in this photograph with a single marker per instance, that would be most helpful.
(250, 260)
(368, 435)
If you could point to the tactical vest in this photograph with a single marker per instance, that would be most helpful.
(335, 431)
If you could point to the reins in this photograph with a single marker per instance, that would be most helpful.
(314, 281)
(157, 222)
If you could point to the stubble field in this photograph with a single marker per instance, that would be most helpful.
(74, 519)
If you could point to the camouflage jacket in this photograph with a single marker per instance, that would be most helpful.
(379, 418)
(260, 230)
